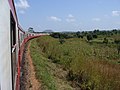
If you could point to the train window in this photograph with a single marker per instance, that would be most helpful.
(13, 48)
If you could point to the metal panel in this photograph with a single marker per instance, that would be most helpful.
(5, 62)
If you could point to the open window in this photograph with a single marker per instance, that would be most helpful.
(13, 48)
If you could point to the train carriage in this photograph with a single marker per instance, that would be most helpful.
(12, 41)
(8, 45)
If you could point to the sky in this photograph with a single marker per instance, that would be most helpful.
(68, 15)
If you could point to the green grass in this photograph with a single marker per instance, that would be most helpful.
(40, 63)
(92, 65)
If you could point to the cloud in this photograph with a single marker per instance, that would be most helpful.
(116, 13)
(22, 5)
(70, 18)
(96, 19)
(55, 18)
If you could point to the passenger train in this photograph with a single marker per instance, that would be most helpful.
(12, 41)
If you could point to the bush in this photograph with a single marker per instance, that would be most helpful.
(118, 49)
(60, 35)
(116, 41)
(55, 35)
(105, 40)
(94, 36)
(61, 41)
(89, 37)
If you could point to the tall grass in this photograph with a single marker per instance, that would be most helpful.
(40, 66)
(91, 67)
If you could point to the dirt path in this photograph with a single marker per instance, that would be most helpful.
(28, 79)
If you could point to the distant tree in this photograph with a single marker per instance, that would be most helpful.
(105, 40)
(89, 37)
(30, 29)
(94, 35)
(55, 35)
(115, 31)
(80, 36)
(78, 33)
(96, 31)
(60, 35)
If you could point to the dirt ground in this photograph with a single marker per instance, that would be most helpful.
(28, 79)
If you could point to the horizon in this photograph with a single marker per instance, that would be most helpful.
(69, 15)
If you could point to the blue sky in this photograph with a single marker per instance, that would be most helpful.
(68, 15)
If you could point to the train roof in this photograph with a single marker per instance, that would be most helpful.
(13, 10)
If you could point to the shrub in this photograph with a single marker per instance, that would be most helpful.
(116, 41)
(80, 36)
(55, 35)
(105, 40)
(61, 41)
(94, 36)
(118, 49)
(89, 37)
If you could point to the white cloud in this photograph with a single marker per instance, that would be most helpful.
(22, 5)
(55, 18)
(96, 19)
(70, 18)
(116, 13)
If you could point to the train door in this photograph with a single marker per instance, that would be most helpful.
(13, 48)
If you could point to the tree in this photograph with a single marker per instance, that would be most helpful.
(55, 35)
(30, 29)
(78, 33)
(89, 37)
(94, 35)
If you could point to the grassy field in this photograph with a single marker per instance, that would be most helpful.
(89, 66)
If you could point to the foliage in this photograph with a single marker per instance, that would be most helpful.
(118, 49)
(79, 35)
(91, 67)
(30, 29)
(89, 37)
(94, 36)
(117, 41)
(105, 40)
(40, 66)
(61, 41)
(60, 35)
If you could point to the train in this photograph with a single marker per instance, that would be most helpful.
(12, 41)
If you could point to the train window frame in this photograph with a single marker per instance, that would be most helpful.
(13, 48)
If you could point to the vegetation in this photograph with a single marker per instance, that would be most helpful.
(89, 37)
(92, 65)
